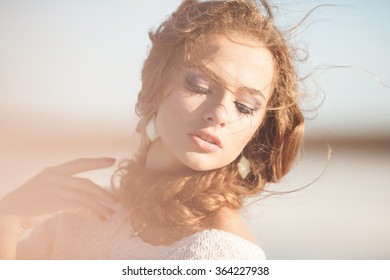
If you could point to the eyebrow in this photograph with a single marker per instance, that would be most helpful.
(252, 91)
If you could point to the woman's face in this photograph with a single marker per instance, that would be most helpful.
(205, 123)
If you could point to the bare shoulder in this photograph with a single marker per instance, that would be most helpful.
(230, 221)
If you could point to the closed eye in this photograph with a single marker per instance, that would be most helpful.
(196, 89)
(243, 109)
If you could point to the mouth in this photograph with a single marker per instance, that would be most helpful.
(208, 137)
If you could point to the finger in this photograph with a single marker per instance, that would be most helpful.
(88, 187)
(82, 165)
(87, 213)
(75, 199)
(82, 209)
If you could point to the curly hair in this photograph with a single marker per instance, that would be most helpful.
(188, 202)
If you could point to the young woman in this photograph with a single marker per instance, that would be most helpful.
(218, 118)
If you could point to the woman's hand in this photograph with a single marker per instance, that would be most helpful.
(55, 190)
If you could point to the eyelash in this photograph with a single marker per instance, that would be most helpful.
(195, 89)
(241, 108)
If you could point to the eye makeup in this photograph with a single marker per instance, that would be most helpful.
(196, 82)
(251, 97)
(247, 102)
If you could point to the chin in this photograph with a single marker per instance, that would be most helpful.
(202, 164)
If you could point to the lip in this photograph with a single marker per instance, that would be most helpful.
(206, 140)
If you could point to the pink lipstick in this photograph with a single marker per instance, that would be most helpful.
(206, 140)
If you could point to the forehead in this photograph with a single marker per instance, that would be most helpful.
(239, 62)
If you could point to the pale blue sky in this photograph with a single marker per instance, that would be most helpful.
(81, 60)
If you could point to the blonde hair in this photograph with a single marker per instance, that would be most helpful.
(187, 202)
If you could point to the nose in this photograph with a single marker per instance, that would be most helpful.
(216, 113)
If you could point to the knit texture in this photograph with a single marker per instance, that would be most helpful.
(68, 237)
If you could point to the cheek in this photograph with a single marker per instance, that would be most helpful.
(174, 110)
(180, 105)
(248, 136)
(252, 127)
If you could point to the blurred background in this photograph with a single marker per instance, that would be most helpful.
(69, 78)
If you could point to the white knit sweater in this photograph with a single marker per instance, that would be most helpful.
(69, 237)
